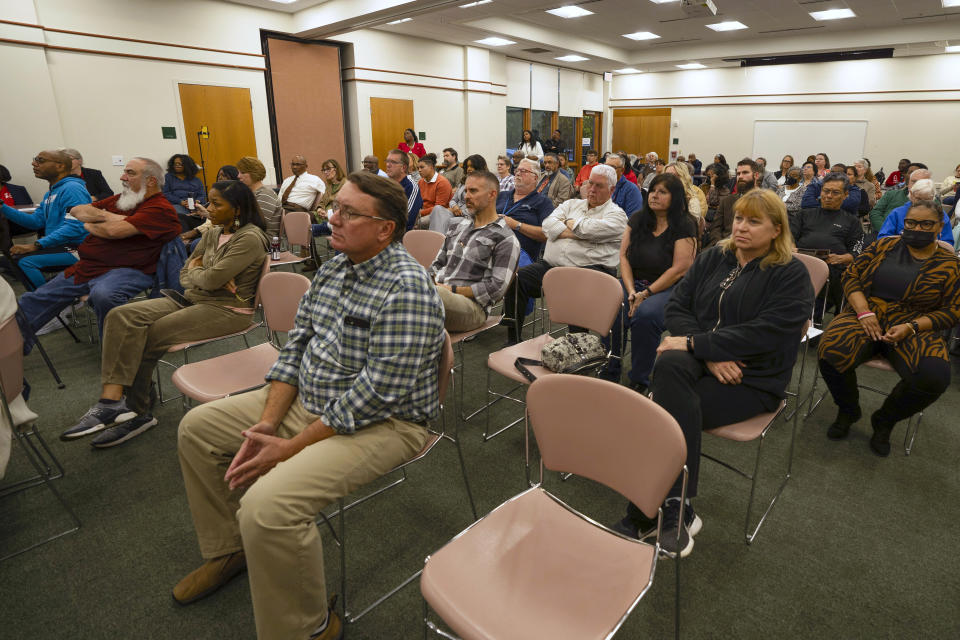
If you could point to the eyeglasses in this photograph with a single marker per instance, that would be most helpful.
(912, 223)
(527, 171)
(388, 161)
(41, 160)
(347, 214)
(832, 192)
(329, 168)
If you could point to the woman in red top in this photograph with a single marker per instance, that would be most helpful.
(410, 144)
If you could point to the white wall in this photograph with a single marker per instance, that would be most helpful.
(107, 105)
(911, 105)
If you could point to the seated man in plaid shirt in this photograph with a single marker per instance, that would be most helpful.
(478, 258)
(347, 400)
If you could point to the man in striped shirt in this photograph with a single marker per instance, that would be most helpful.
(397, 170)
(347, 400)
(478, 258)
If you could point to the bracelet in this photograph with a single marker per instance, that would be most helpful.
(915, 326)
(690, 343)
(865, 314)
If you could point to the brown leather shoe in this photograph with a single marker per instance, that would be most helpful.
(212, 575)
(334, 630)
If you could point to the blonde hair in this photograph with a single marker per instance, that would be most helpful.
(765, 203)
(684, 174)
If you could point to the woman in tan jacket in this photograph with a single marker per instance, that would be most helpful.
(219, 281)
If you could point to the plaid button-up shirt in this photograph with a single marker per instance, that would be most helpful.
(483, 259)
(366, 342)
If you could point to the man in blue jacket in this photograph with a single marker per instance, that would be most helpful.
(626, 195)
(851, 203)
(921, 191)
(50, 218)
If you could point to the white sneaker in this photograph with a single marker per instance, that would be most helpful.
(50, 327)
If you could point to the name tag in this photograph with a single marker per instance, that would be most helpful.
(354, 321)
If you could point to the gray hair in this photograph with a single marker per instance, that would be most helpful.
(607, 172)
(922, 189)
(836, 176)
(151, 169)
(73, 153)
(617, 157)
(532, 165)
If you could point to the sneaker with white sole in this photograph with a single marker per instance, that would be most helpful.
(692, 524)
(99, 417)
(123, 431)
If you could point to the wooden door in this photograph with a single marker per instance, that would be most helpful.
(227, 115)
(641, 130)
(388, 119)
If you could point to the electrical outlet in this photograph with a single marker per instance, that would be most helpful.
(118, 161)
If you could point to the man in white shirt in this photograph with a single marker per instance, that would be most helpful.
(300, 191)
(580, 233)
(372, 164)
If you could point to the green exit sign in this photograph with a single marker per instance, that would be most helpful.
(169, 133)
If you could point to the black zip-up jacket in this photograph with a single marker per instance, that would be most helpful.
(757, 320)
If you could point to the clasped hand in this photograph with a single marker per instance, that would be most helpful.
(261, 451)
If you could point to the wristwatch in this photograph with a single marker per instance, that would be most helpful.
(519, 225)
(916, 327)
(37, 246)
(690, 343)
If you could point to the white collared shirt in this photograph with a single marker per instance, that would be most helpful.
(306, 190)
(598, 230)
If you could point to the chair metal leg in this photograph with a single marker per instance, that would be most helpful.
(911, 435)
(48, 362)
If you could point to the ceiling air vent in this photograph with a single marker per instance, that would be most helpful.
(537, 50)
(831, 56)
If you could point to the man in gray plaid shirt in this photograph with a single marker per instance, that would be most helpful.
(478, 258)
(347, 400)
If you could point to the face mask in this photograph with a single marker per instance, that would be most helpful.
(791, 180)
(918, 239)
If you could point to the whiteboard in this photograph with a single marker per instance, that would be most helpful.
(842, 140)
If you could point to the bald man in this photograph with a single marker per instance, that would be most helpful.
(59, 233)
(300, 191)
(371, 163)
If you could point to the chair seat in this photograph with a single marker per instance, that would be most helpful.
(225, 375)
(879, 362)
(750, 429)
(195, 343)
(502, 361)
(533, 569)
(491, 321)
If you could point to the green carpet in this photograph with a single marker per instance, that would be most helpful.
(857, 546)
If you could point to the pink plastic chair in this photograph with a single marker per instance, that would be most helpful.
(423, 245)
(574, 296)
(819, 273)
(535, 567)
(41, 458)
(234, 373)
(295, 225)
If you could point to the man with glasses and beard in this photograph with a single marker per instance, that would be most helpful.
(748, 173)
(478, 258)
(118, 258)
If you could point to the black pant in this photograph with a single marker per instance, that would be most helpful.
(916, 390)
(529, 284)
(684, 386)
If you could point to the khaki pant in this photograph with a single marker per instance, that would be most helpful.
(461, 313)
(137, 334)
(275, 522)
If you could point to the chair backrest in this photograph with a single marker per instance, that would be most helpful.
(446, 366)
(423, 245)
(11, 359)
(606, 432)
(264, 270)
(946, 245)
(296, 226)
(817, 269)
(582, 297)
(281, 293)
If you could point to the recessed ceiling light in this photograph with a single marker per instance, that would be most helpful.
(954, 48)
(570, 12)
(572, 58)
(283, 1)
(950, 3)
(730, 25)
(641, 35)
(692, 65)
(495, 42)
(474, 4)
(400, 20)
(833, 14)
(627, 70)
(663, 1)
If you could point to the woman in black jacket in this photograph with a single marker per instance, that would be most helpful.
(734, 321)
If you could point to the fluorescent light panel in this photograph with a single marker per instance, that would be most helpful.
(474, 4)
(495, 42)
(570, 11)
(692, 65)
(950, 3)
(641, 35)
(833, 14)
(401, 20)
(730, 25)
(954, 48)
(663, 1)
(284, 1)
(572, 58)
(627, 70)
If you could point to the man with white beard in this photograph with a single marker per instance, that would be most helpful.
(118, 258)
(478, 258)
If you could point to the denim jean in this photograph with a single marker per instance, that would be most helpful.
(105, 292)
(32, 264)
(646, 326)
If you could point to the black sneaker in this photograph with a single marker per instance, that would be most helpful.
(841, 426)
(692, 524)
(123, 431)
(99, 417)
